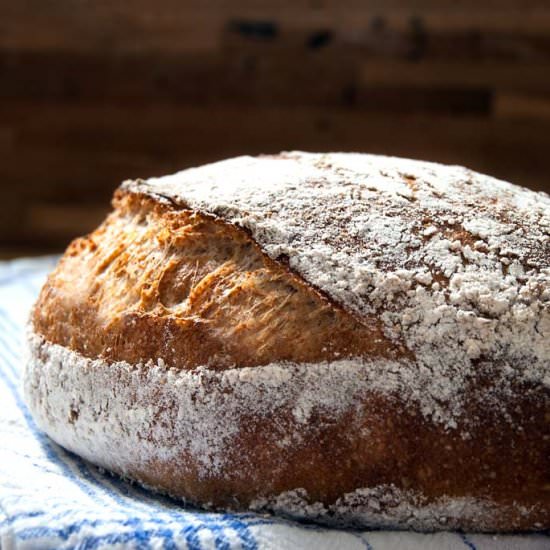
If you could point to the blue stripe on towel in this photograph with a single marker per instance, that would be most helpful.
(216, 524)
(467, 542)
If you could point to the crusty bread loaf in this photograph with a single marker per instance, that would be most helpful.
(352, 339)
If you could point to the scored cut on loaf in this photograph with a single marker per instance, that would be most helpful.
(352, 339)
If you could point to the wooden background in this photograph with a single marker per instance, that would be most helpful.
(94, 92)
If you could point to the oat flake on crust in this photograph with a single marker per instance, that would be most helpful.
(456, 264)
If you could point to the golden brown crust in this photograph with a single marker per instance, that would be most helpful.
(158, 282)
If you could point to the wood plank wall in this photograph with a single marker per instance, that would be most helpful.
(92, 93)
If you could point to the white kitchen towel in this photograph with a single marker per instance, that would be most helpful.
(50, 498)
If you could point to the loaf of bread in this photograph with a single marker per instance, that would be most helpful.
(351, 339)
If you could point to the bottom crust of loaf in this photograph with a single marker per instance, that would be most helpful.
(285, 439)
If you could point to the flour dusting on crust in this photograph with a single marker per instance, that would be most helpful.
(384, 507)
(126, 418)
(109, 404)
(455, 264)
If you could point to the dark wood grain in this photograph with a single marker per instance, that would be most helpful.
(94, 93)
